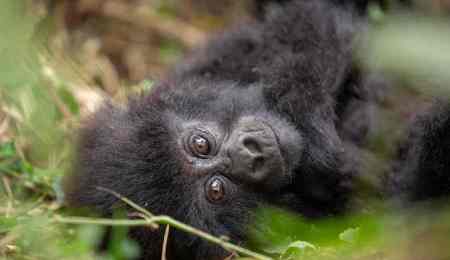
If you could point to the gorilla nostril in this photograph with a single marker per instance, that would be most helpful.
(258, 164)
(252, 145)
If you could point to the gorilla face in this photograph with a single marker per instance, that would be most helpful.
(250, 153)
(246, 144)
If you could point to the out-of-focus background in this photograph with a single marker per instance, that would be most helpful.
(60, 59)
(136, 40)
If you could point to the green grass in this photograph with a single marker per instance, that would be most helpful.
(41, 111)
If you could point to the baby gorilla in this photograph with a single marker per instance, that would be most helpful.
(269, 113)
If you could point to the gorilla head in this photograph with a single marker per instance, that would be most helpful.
(257, 117)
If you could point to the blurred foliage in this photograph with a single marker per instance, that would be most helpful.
(61, 58)
(416, 233)
(415, 48)
(40, 110)
(38, 107)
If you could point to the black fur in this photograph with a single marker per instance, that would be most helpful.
(294, 67)
(422, 170)
(358, 6)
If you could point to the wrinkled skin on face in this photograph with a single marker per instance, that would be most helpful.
(257, 117)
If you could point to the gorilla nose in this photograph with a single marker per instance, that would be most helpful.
(252, 152)
(255, 154)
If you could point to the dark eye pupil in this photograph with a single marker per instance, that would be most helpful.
(215, 190)
(201, 145)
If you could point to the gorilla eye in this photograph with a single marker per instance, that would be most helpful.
(200, 145)
(215, 189)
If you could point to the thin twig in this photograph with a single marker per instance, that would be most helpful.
(146, 214)
(164, 247)
(151, 220)
(101, 221)
(127, 201)
(163, 220)
(210, 238)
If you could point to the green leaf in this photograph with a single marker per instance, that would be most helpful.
(7, 150)
(69, 100)
(350, 235)
(169, 51)
(302, 245)
(26, 167)
(6, 224)
(299, 250)
(147, 85)
(278, 247)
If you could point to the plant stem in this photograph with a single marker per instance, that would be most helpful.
(163, 220)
